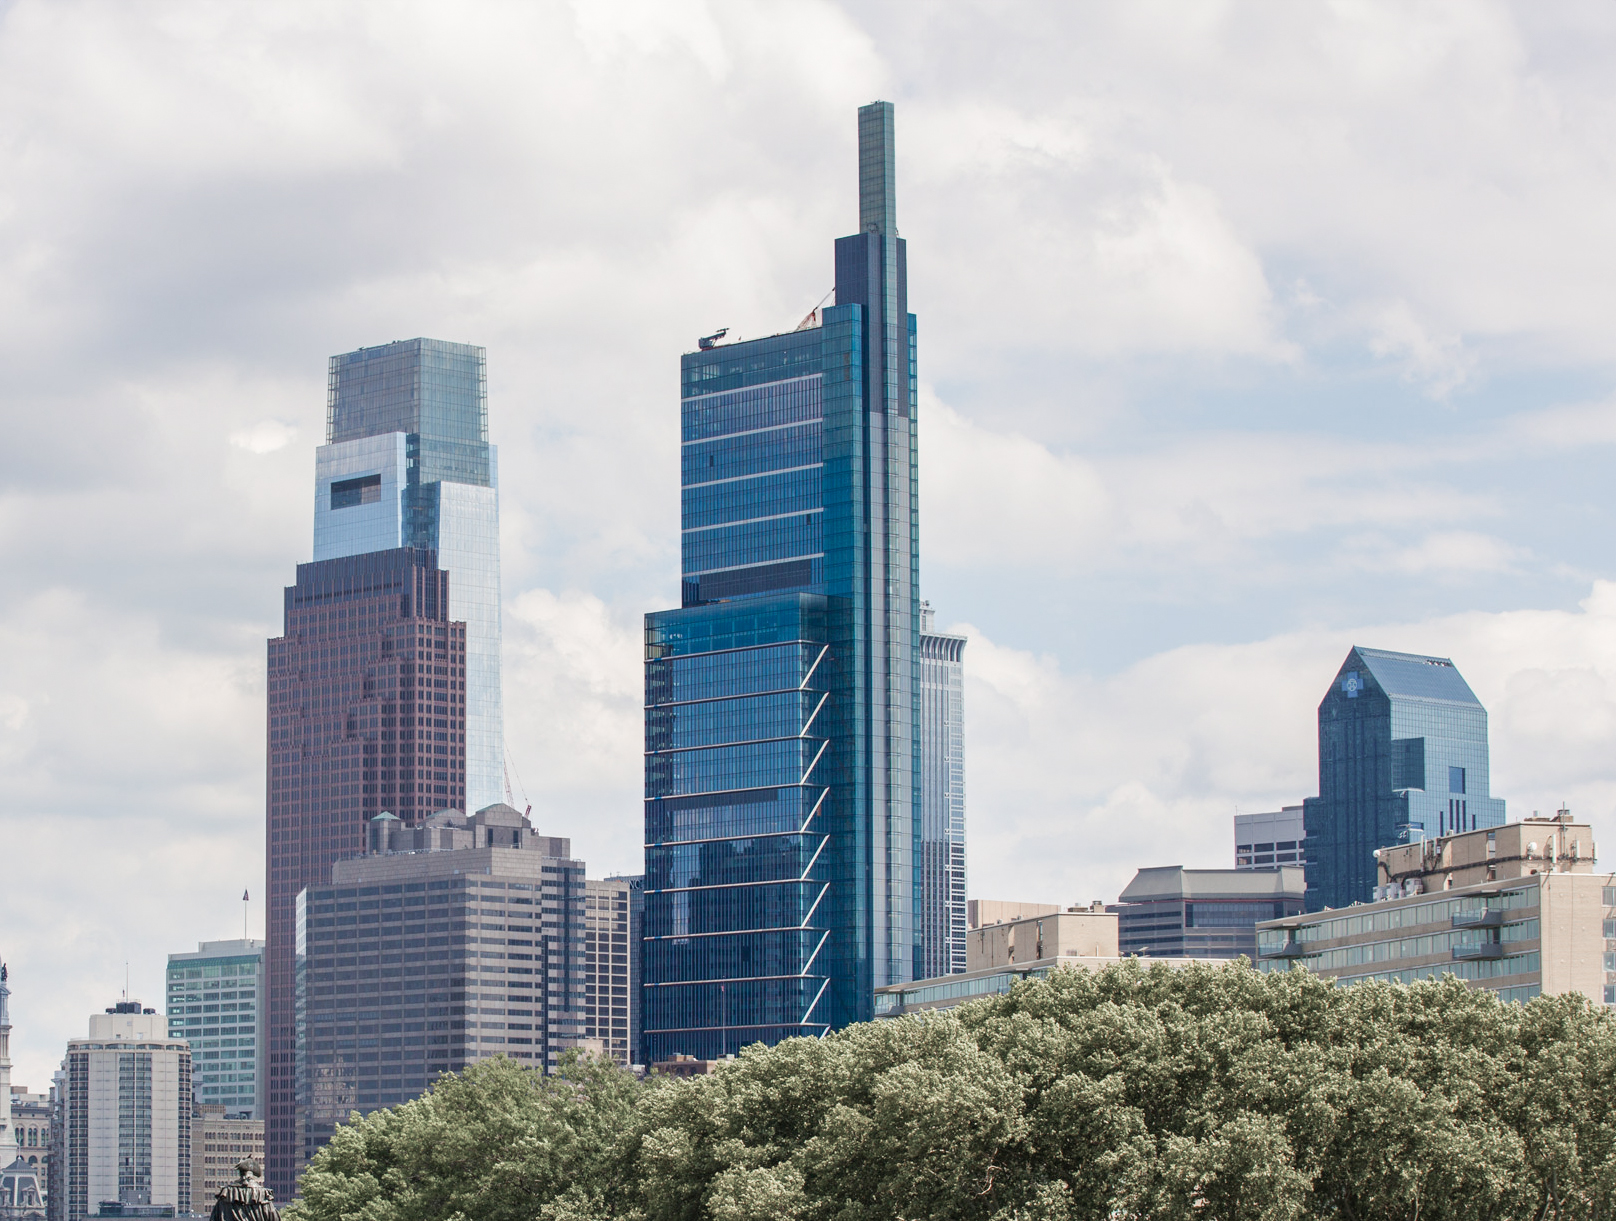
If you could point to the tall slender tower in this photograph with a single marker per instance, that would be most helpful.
(782, 747)
(366, 712)
(940, 892)
(384, 687)
(8, 1137)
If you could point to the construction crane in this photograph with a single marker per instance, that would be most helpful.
(511, 800)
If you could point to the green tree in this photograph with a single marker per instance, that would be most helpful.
(1215, 1094)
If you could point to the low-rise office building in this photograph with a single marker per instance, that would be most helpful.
(1516, 909)
(1173, 912)
(1001, 955)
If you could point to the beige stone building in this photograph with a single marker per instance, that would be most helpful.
(217, 1144)
(1516, 909)
(980, 912)
(1075, 933)
(999, 956)
(611, 1002)
(1515, 850)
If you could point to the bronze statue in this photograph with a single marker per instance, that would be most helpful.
(247, 1200)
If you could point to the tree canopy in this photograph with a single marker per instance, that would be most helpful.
(1133, 1092)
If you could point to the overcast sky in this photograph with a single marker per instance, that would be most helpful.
(1248, 332)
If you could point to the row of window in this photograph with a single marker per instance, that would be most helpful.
(752, 453)
(730, 862)
(732, 815)
(767, 495)
(724, 910)
(765, 406)
(717, 768)
(758, 542)
(1413, 915)
(715, 722)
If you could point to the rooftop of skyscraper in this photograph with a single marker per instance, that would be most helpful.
(1415, 676)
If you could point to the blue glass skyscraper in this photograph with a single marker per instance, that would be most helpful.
(1402, 756)
(782, 746)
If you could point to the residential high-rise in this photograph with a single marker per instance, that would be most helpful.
(941, 857)
(216, 1004)
(366, 712)
(1272, 838)
(1402, 756)
(445, 943)
(782, 745)
(407, 463)
(613, 913)
(128, 1117)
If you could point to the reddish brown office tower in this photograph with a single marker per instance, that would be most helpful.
(367, 712)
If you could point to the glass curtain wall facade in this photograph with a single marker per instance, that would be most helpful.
(782, 747)
(1402, 756)
(366, 712)
(407, 463)
(941, 915)
(216, 1004)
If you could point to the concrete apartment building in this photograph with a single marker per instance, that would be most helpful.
(218, 1142)
(126, 1148)
(1517, 909)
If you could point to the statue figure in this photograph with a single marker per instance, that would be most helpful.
(247, 1200)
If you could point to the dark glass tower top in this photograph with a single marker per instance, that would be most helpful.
(878, 196)
(427, 388)
(1402, 756)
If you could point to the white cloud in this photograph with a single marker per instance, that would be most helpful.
(1440, 362)
(574, 724)
(1002, 497)
(265, 437)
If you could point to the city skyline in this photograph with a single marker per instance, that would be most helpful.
(1207, 395)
